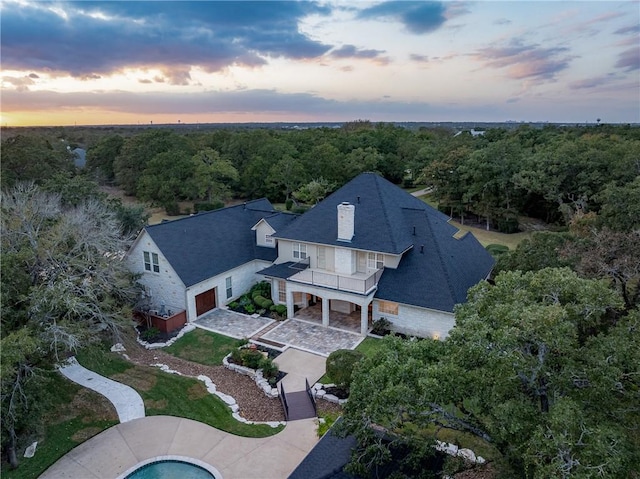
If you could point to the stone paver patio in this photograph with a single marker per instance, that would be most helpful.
(230, 323)
(311, 337)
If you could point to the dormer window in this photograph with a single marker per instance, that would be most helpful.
(299, 251)
(268, 239)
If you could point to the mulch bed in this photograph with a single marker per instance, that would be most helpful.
(254, 405)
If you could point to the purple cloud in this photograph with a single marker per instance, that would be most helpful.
(350, 51)
(590, 82)
(629, 59)
(526, 61)
(104, 37)
(417, 17)
(419, 58)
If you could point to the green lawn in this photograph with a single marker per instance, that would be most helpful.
(203, 347)
(369, 346)
(493, 237)
(173, 395)
(73, 415)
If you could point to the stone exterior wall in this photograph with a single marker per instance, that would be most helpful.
(163, 286)
(413, 320)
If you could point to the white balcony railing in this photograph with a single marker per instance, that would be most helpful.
(362, 283)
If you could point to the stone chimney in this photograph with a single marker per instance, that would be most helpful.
(346, 221)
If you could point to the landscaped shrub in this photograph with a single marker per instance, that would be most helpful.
(236, 356)
(288, 204)
(381, 326)
(250, 308)
(150, 333)
(340, 366)
(262, 302)
(270, 370)
(280, 309)
(251, 358)
(263, 288)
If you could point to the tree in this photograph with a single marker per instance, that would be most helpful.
(620, 206)
(212, 175)
(314, 191)
(167, 178)
(64, 285)
(611, 255)
(286, 175)
(33, 158)
(527, 368)
(102, 155)
(138, 151)
(543, 249)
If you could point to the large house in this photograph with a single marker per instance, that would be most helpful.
(370, 247)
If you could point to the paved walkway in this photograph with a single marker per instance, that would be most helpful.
(231, 323)
(313, 338)
(119, 449)
(300, 365)
(126, 400)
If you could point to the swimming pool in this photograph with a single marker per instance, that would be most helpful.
(172, 468)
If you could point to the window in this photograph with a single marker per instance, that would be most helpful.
(388, 307)
(268, 239)
(322, 257)
(282, 291)
(299, 251)
(151, 262)
(229, 287)
(375, 261)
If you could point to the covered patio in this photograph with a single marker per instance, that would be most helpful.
(349, 322)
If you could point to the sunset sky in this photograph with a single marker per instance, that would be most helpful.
(135, 62)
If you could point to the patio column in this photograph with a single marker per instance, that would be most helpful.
(325, 312)
(290, 310)
(364, 319)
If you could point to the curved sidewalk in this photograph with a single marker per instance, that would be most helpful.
(126, 400)
(118, 449)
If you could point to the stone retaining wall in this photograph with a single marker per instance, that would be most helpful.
(255, 374)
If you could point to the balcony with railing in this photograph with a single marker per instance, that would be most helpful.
(362, 283)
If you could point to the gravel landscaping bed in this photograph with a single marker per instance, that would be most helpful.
(254, 405)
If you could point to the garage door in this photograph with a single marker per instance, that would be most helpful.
(205, 301)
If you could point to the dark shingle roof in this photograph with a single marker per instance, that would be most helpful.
(283, 270)
(327, 458)
(207, 244)
(378, 225)
(437, 272)
(385, 218)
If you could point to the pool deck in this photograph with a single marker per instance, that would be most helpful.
(116, 450)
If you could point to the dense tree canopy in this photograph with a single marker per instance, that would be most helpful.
(34, 158)
(529, 368)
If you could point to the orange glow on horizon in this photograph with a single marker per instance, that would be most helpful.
(101, 117)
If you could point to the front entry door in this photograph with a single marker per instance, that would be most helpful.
(205, 301)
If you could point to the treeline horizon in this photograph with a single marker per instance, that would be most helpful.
(547, 172)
